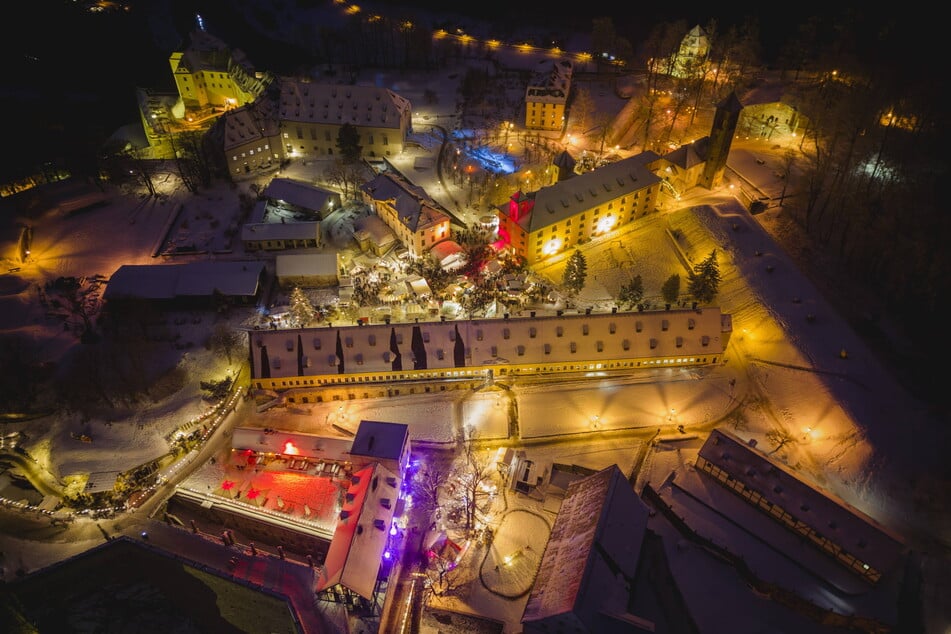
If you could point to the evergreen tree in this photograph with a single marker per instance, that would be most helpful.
(671, 289)
(576, 271)
(302, 311)
(348, 142)
(631, 293)
(704, 281)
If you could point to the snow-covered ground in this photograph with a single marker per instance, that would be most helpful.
(854, 430)
(867, 440)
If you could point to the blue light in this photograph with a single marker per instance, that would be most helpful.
(488, 159)
(386, 554)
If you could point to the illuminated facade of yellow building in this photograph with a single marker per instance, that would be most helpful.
(571, 212)
(372, 358)
(418, 221)
(210, 76)
(311, 115)
(546, 98)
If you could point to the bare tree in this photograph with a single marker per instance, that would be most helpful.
(81, 299)
(427, 488)
(346, 176)
(226, 340)
(470, 479)
(582, 106)
(780, 438)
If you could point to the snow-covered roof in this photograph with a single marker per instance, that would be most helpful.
(570, 197)
(280, 231)
(591, 558)
(193, 279)
(552, 86)
(204, 52)
(414, 208)
(689, 154)
(445, 249)
(301, 194)
(829, 517)
(316, 264)
(375, 229)
(291, 443)
(381, 440)
(419, 286)
(102, 481)
(332, 104)
(594, 338)
(362, 532)
(253, 123)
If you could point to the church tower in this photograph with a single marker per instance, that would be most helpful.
(721, 136)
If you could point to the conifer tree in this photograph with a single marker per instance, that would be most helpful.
(576, 272)
(348, 142)
(671, 289)
(704, 281)
(631, 293)
(302, 311)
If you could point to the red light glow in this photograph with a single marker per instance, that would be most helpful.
(290, 449)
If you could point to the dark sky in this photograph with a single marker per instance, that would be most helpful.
(68, 69)
(908, 33)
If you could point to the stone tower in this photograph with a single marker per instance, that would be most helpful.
(721, 136)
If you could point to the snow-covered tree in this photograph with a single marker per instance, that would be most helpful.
(469, 479)
(671, 289)
(704, 281)
(632, 293)
(348, 143)
(576, 272)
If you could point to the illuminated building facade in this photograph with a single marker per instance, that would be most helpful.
(851, 538)
(311, 116)
(691, 56)
(372, 358)
(248, 138)
(546, 97)
(417, 220)
(209, 75)
(556, 218)
(256, 120)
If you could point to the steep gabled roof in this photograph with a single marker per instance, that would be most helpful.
(591, 558)
(413, 205)
(254, 122)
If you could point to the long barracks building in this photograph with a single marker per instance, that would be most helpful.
(309, 359)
